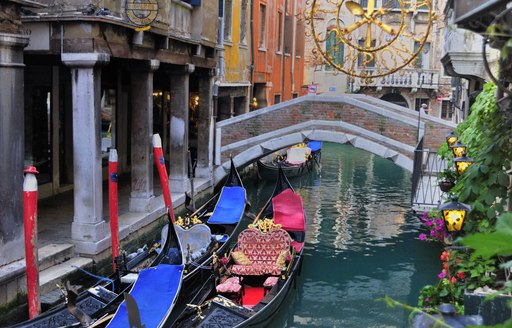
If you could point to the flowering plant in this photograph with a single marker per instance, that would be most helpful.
(449, 289)
(434, 225)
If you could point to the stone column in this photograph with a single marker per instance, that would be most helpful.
(204, 167)
(12, 146)
(88, 226)
(231, 106)
(178, 176)
(141, 196)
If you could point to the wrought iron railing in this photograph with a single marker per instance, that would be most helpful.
(425, 186)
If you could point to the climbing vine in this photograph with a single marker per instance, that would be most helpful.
(487, 136)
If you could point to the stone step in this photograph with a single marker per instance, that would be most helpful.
(53, 254)
(57, 274)
(48, 256)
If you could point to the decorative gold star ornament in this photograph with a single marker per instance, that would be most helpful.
(371, 40)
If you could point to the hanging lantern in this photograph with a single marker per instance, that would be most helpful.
(454, 214)
(451, 139)
(458, 149)
(462, 163)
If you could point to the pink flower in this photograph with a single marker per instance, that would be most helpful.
(423, 236)
(427, 299)
(439, 222)
(424, 216)
(432, 233)
(442, 274)
(224, 260)
(428, 223)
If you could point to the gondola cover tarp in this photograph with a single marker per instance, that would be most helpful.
(154, 291)
(230, 206)
(288, 211)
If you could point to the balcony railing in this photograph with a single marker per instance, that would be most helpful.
(406, 78)
(180, 19)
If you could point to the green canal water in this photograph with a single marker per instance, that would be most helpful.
(361, 243)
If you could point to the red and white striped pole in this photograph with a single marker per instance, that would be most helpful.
(113, 202)
(30, 229)
(162, 172)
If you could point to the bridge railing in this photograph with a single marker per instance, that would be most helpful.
(426, 193)
(410, 78)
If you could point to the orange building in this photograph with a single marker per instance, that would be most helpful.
(278, 51)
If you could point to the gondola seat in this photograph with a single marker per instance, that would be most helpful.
(269, 283)
(264, 252)
(194, 240)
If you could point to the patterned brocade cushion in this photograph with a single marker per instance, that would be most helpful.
(228, 288)
(240, 258)
(256, 269)
(260, 247)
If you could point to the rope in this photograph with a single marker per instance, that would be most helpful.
(195, 264)
(100, 278)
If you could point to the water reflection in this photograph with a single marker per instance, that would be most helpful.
(361, 244)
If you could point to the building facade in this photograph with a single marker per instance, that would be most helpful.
(105, 76)
(278, 51)
(422, 81)
(235, 43)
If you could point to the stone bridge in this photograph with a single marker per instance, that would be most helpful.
(380, 127)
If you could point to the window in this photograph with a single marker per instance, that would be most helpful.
(263, 30)
(288, 34)
(419, 101)
(279, 31)
(277, 99)
(228, 19)
(365, 58)
(299, 45)
(446, 109)
(422, 60)
(334, 49)
(243, 22)
(364, 3)
(294, 95)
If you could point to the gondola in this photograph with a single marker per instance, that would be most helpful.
(295, 161)
(96, 303)
(202, 235)
(249, 293)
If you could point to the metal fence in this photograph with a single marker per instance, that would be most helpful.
(425, 188)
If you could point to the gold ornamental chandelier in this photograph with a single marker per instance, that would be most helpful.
(369, 38)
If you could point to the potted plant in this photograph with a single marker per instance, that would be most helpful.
(446, 179)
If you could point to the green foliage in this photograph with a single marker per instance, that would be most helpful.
(460, 272)
(486, 133)
(498, 242)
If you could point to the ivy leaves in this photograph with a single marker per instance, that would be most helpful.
(484, 185)
(493, 243)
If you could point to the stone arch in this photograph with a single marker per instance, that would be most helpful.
(255, 152)
(396, 99)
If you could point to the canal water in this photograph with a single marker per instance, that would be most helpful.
(361, 243)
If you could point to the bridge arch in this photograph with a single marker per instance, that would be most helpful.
(385, 129)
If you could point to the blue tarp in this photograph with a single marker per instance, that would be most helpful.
(154, 291)
(230, 206)
(315, 145)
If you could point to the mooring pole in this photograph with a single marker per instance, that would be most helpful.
(162, 172)
(30, 229)
(113, 204)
